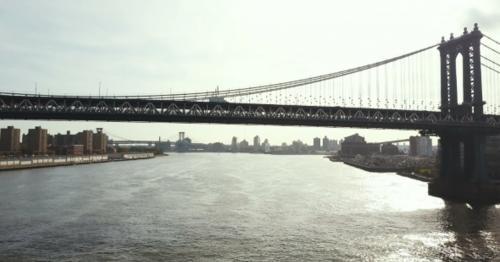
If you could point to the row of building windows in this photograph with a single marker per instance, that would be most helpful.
(38, 142)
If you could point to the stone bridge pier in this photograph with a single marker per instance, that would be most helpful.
(465, 174)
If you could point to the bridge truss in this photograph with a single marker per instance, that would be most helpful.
(145, 110)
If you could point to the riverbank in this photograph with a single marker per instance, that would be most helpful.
(55, 161)
(415, 176)
(129, 156)
(371, 168)
(417, 168)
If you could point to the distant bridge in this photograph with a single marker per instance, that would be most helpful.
(394, 141)
(135, 142)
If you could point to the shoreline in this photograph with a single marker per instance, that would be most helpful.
(404, 172)
(415, 176)
(375, 169)
(22, 164)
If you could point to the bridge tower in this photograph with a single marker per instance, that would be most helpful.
(463, 176)
(468, 46)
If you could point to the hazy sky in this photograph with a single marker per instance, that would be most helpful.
(138, 47)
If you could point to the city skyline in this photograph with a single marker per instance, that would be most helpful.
(175, 137)
(120, 131)
(122, 56)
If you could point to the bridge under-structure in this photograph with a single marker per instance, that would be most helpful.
(149, 143)
(393, 141)
(396, 93)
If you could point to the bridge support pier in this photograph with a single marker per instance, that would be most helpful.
(463, 176)
(463, 169)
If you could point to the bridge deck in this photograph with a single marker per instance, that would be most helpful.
(145, 110)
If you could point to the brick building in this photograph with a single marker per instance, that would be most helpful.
(356, 145)
(35, 142)
(10, 140)
(85, 138)
(100, 142)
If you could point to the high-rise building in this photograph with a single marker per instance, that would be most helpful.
(244, 146)
(298, 147)
(234, 144)
(64, 140)
(420, 146)
(99, 142)
(9, 140)
(326, 143)
(63, 144)
(256, 143)
(35, 142)
(85, 138)
(317, 143)
(266, 146)
(333, 146)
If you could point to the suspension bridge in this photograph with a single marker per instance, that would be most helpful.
(398, 93)
(419, 90)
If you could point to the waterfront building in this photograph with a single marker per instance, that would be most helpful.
(356, 145)
(165, 146)
(354, 139)
(181, 136)
(256, 144)
(64, 140)
(69, 144)
(50, 140)
(326, 143)
(389, 149)
(266, 146)
(73, 150)
(298, 147)
(100, 142)
(216, 147)
(333, 145)
(35, 142)
(244, 146)
(60, 142)
(234, 144)
(9, 140)
(183, 144)
(317, 143)
(420, 146)
(85, 138)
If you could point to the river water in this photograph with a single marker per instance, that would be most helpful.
(234, 207)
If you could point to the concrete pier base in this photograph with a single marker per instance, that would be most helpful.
(466, 192)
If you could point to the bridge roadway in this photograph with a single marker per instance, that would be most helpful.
(19, 106)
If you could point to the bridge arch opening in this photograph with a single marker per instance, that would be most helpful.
(460, 78)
